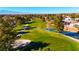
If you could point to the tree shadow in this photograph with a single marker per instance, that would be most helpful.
(29, 22)
(33, 27)
(23, 32)
(32, 46)
(71, 34)
(20, 33)
(28, 28)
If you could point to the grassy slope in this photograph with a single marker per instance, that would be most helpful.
(55, 40)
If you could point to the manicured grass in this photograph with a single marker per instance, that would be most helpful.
(18, 28)
(55, 41)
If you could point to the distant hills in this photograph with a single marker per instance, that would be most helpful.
(16, 12)
(9, 12)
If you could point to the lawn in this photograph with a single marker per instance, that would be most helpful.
(44, 40)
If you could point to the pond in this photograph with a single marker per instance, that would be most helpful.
(71, 34)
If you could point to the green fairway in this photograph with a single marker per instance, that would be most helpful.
(51, 40)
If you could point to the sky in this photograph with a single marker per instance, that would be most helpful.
(38, 10)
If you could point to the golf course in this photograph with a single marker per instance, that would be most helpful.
(45, 40)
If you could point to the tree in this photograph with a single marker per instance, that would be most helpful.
(58, 24)
(7, 36)
(77, 26)
(19, 20)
